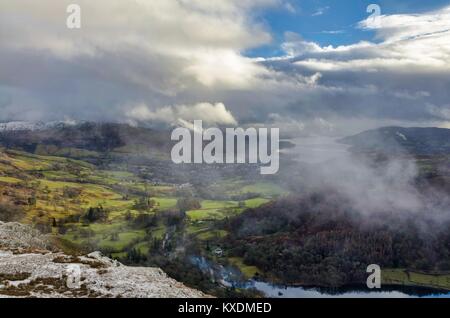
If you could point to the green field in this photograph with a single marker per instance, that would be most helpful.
(264, 189)
(248, 271)
(212, 210)
(254, 203)
(62, 188)
(165, 203)
(9, 180)
(209, 235)
(409, 278)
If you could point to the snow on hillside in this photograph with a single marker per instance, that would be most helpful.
(33, 126)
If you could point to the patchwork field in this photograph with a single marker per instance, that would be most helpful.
(62, 196)
(128, 217)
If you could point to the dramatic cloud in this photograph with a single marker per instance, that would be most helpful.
(192, 53)
(400, 77)
(125, 50)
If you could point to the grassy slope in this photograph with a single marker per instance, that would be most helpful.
(17, 175)
(408, 278)
(248, 271)
(48, 176)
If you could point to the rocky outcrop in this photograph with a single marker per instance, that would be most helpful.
(30, 268)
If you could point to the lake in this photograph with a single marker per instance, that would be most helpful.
(272, 291)
(229, 276)
(316, 149)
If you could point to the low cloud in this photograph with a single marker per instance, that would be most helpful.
(210, 114)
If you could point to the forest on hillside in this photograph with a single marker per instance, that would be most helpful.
(320, 239)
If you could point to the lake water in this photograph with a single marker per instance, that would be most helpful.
(316, 149)
(349, 292)
(230, 277)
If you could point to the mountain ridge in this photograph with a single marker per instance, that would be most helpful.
(392, 139)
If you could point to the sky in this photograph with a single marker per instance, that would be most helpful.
(331, 22)
(309, 67)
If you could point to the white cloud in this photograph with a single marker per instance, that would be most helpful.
(333, 32)
(408, 43)
(393, 78)
(224, 68)
(408, 26)
(290, 7)
(210, 114)
(194, 35)
(320, 11)
(163, 52)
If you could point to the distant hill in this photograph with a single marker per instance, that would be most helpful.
(34, 126)
(55, 138)
(85, 140)
(418, 141)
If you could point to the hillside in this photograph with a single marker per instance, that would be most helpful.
(29, 269)
(417, 141)
(93, 187)
(319, 239)
(128, 201)
(84, 140)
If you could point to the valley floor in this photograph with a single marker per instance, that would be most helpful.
(137, 221)
(55, 194)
